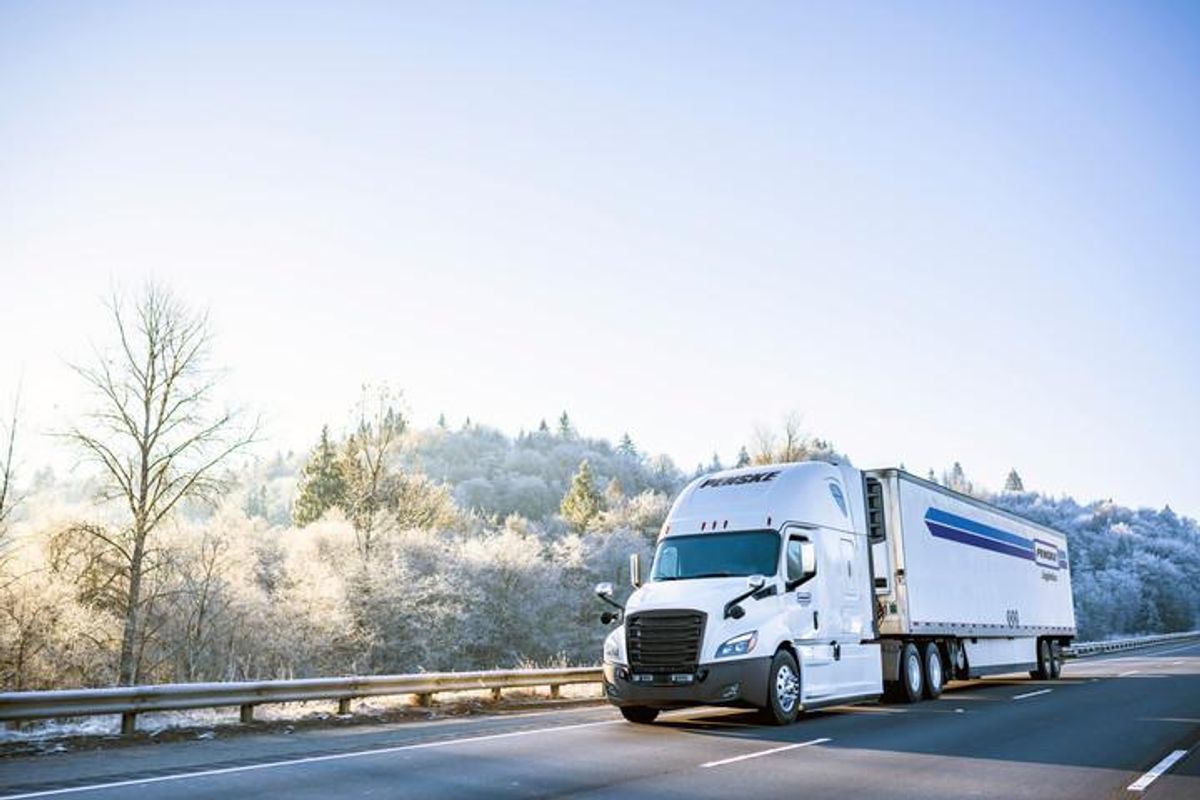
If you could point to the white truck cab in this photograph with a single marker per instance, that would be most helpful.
(771, 585)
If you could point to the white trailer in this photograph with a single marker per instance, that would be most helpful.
(794, 586)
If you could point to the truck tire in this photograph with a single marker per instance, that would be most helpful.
(1044, 658)
(783, 691)
(1056, 661)
(912, 674)
(639, 714)
(934, 672)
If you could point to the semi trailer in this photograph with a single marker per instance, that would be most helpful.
(794, 586)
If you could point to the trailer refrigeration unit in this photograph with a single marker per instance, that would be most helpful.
(794, 586)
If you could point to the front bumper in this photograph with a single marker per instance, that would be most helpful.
(737, 683)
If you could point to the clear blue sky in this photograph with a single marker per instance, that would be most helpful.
(940, 231)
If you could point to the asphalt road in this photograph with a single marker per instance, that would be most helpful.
(1090, 735)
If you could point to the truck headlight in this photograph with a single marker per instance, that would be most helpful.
(738, 645)
(614, 646)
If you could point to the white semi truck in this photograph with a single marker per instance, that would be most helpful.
(794, 586)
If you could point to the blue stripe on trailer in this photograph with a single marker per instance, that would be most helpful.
(946, 519)
(943, 532)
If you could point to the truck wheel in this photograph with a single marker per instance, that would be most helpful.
(783, 690)
(1056, 661)
(934, 676)
(912, 683)
(1043, 671)
(639, 714)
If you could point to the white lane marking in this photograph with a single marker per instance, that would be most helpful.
(204, 773)
(1032, 694)
(1158, 769)
(761, 753)
(1130, 672)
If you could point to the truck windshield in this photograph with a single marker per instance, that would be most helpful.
(716, 555)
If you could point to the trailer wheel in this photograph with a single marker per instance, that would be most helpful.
(1044, 669)
(935, 677)
(1056, 661)
(783, 691)
(639, 714)
(912, 678)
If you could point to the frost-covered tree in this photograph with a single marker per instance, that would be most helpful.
(366, 464)
(582, 503)
(565, 429)
(956, 479)
(743, 458)
(8, 490)
(789, 444)
(614, 493)
(626, 447)
(154, 437)
(1013, 482)
(322, 484)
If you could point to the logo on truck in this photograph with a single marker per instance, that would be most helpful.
(945, 525)
(752, 477)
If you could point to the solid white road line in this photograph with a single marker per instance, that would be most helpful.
(204, 773)
(1130, 672)
(1158, 769)
(1032, 694)
(761, 753)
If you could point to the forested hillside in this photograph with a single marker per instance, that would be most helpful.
(490, 563)
(172, 554)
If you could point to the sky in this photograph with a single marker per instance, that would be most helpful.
(939, 231)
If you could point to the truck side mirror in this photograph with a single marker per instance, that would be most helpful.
(635, 570)
(604, 589)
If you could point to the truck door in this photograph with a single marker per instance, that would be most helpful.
(809, 609)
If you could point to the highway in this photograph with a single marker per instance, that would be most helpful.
(1093, 734)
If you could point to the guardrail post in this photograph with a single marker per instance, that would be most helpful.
(424, 699)
(554, 695)
(128, 723)
(343, 706)
(496, 694)
(247, 714)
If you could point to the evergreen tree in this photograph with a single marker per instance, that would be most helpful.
(614, 494)
(956, 479)
(626, 447)
(441, 423)
(543, 427)
(716, 465)
(931, 477)
(582, 503)
(564, 426)
(322, 483)
(1013, 482)
(743, 459)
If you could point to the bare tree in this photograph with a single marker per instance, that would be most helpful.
(789, 444)
(154, 437)
(8, 491)
(367, 465)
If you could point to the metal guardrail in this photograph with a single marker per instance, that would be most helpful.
(129, 701)
(1115, 645)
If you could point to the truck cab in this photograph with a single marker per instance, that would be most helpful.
(761, 576)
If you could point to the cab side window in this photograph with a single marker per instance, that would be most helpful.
(801, 556)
